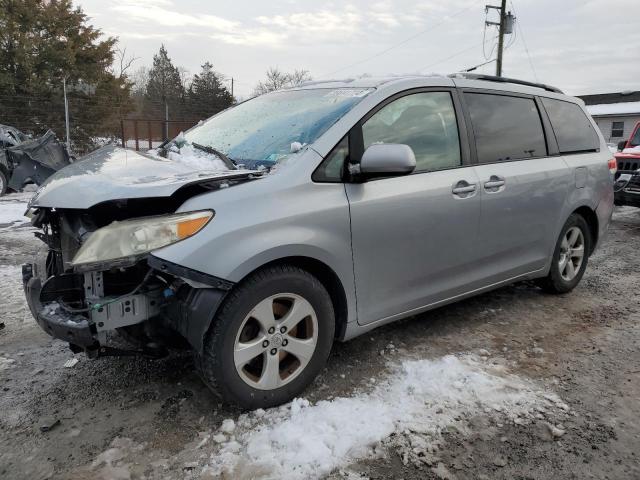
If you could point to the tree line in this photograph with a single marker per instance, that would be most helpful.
(46, 44)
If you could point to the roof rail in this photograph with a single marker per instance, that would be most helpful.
(493, 78)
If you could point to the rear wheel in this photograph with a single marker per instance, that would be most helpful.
(570, 256)
(271, 338)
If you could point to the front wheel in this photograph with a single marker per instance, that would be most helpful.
(270, 339)
(570, 256)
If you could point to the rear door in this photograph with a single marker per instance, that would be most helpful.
(413, 236)
(523, 182)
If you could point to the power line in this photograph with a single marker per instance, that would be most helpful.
(399, 44)
(524, 43)
(457, 54)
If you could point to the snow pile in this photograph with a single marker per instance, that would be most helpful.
(426, 396)
(622, 108)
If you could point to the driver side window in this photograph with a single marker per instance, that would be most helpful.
(424, 121)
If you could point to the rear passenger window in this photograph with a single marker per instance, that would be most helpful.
(506, 128)
(571, 126)
(424, 121)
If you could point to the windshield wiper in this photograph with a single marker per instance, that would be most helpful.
(228, 162)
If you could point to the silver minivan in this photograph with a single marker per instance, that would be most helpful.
(315, 214)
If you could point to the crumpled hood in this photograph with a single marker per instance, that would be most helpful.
(113, 173)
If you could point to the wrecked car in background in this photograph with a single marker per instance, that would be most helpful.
(11, 136)
(24, 160)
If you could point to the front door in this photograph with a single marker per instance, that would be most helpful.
(413, 237)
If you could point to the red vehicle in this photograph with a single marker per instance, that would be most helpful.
(628, 174)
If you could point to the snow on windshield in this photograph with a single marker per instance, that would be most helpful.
(196, 159)
(181, 152)
(272, 127)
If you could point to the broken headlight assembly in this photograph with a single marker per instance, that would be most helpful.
(135, 238)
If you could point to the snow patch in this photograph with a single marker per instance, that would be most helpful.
(12, 212)
(6, 363)
(622, 108)
(632, 150)
(300, 440)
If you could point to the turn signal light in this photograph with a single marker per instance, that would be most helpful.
(187, 228)
(613, 165)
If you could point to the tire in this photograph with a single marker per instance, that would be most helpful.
(3, 183)
(243, 329)
(564, 279)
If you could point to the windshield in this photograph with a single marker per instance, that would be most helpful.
(269, 128)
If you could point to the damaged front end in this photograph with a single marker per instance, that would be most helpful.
(98, 276)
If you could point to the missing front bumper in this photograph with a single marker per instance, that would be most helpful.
(187, 310)
(72, 328)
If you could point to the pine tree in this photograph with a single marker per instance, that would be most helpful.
(43, 42)
(207, 93)
(164, 85)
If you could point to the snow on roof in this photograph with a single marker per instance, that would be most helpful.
(623, 108)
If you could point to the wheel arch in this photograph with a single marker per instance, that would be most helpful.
(326, 276)
(592, 221)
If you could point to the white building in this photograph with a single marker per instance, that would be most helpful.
(615, 113)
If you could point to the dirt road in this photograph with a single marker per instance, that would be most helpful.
(131, 418)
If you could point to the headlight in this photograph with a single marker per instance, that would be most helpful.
(134, 238)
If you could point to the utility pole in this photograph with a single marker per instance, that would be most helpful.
(505, 27)
(231, 87)
(166, 120)
(66, 112)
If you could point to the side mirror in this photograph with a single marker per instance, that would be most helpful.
(387, 159)
(621, 145)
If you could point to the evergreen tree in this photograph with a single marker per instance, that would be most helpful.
(207, 93)
(164, 85)
(43, 42)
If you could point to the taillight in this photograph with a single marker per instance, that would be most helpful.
(613, 165)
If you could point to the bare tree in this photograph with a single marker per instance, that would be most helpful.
(185, 78)
(123, 62)
(140, 78)
(277, 80)
(298, 77)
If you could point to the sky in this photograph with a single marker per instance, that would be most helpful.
(580, 46)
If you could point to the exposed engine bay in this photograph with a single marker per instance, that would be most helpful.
(154, 304)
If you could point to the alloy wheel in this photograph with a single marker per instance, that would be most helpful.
(276, 341)
(571, 253)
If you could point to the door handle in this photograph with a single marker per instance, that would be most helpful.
(463, 189)
(494, 184)
(468, 189)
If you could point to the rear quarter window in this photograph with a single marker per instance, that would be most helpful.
(571, 126)
(505, 128)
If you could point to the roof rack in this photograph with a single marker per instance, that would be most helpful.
(493, 78)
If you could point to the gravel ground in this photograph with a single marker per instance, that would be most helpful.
(130, 418)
